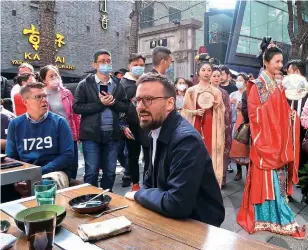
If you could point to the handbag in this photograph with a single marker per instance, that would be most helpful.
(242, 134)
(305, 143)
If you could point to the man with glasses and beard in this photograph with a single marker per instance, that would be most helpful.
(180, 181)
(39, 137)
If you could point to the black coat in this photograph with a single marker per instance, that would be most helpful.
(182, 183)
(132, 119)
(244, 109)
(88, 104)
(6, 87)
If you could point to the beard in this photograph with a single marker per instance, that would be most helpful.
(152, 123)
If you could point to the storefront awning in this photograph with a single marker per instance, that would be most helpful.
(63, 73)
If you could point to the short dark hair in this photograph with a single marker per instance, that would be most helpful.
(297, 64)
(160, 53)
(100, 52)
(45, 69)
(23, 78)
(154, 77)
(135, 57)
(33, 85)
(225, 68)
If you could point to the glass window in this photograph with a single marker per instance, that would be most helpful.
(285, 33)
(278, 4)
(254, 46)
(174, 14)
(219, 28)
(259, 19)
(245, 29)
(275, 24)
(146, 18)
(243, 45)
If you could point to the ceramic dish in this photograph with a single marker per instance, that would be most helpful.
(20, 217)
(96, 205)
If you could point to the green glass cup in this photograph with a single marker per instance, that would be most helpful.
(45, 192)
(40, 230)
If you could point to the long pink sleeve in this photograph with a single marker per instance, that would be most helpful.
(304, 115)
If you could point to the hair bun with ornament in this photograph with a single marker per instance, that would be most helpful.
(203, 57)
(266, 41)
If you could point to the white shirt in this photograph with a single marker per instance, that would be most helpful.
(154, 134)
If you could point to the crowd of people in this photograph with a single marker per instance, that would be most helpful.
(187, 149)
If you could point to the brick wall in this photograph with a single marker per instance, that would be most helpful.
(71, 20)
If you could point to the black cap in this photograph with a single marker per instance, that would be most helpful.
(122, 71)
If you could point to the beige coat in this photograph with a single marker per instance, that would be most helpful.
(218, 125)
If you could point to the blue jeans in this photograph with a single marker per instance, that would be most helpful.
(101, 155)
(75, 161)
(123, 156)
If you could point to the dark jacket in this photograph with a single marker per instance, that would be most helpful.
(132, 119)
(244, 109)
(88, 104)
(6, 87)
(182, 183)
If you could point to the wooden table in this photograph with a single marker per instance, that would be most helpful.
(149, 229)
(27, 172)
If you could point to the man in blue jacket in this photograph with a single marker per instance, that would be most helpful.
(180, 181)
(40, 137)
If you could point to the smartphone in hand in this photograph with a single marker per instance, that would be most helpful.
(103, 88)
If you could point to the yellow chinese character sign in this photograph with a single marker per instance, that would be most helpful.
(59, 40)
(34, 37)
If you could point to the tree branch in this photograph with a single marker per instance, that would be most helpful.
(291, 22)
(299, 13)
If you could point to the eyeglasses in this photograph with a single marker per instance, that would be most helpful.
(104, 62)
(147, 101)
(39, 97)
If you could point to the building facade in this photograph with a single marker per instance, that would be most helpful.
(81, 28)
(178, 25)
(163, 12)
(237, 35)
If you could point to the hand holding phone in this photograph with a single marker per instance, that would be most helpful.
(103, 88)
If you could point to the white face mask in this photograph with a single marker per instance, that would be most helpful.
(278, 81)
(239, 85)
(55, 83)
(181, 87)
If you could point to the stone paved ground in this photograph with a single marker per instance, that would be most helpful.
(232, 196)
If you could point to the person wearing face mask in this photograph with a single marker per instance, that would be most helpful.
(239, 152)
(181, 87)
(100, 99)
(136, 137)
(60, 101)
(161, 58)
